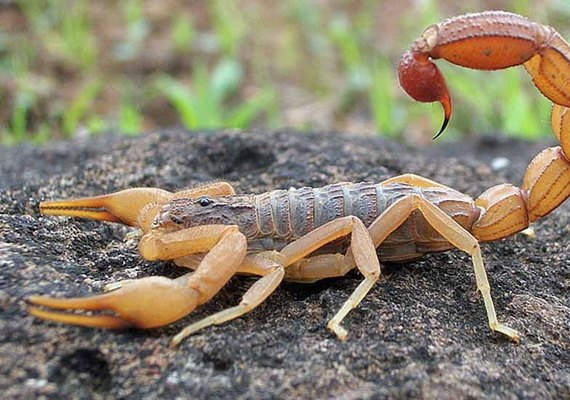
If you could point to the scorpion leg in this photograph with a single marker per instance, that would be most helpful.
(364, 255)
(265, 265)
(272, 273)
(156, 301)
(453, 232)
(308, 270)
(463, 240)
(190, 261)
(304, 270)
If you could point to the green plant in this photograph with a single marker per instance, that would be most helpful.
(64, 28)
(70, 64)
(204, 103)
(79, 107)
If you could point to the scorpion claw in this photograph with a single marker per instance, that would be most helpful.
(111, 287)
(93, 321)
(143, 303)
(124, 206)
(90, 207)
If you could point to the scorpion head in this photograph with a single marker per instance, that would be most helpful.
(204, 210)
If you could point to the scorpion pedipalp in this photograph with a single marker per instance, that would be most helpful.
(142, 303)
(124, 206)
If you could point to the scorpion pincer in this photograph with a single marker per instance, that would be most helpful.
(297, 234)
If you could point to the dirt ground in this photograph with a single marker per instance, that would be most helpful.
(421, 332)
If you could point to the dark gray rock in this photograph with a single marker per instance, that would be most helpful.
(421, 332)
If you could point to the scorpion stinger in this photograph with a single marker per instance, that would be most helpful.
(423, 81)
(446, 117)
(486, 41)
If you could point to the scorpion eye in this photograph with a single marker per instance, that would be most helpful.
(204, 201)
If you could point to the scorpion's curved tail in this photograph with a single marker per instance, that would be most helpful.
(496, 40)
(487, 41)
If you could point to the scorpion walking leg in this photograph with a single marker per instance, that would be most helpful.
(364, 256)
(272, 274)
(304, 270)
(319, 267)
(452, 232)
(263, 264)
(463, 240)
(460, 238)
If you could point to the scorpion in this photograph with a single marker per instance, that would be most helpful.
(309, 234)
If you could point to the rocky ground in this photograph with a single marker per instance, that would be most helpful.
(421, 332)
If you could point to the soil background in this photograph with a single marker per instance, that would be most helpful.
(421, 332)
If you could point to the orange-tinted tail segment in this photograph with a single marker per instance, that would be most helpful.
(423, 81)
(487, 41)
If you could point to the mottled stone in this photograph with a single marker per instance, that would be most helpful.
(421, 332)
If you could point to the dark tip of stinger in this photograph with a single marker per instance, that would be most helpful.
(445, 122)
(447, 111)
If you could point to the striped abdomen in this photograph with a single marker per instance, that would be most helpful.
(285, 215)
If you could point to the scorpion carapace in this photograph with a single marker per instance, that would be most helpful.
(301, 234)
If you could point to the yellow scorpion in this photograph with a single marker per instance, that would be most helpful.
(309, 234)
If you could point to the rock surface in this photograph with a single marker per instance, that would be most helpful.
(421, 332)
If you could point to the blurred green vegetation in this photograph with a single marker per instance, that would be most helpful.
(75, 67)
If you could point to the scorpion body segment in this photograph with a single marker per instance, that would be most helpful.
(309, 234)
(272, 220)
